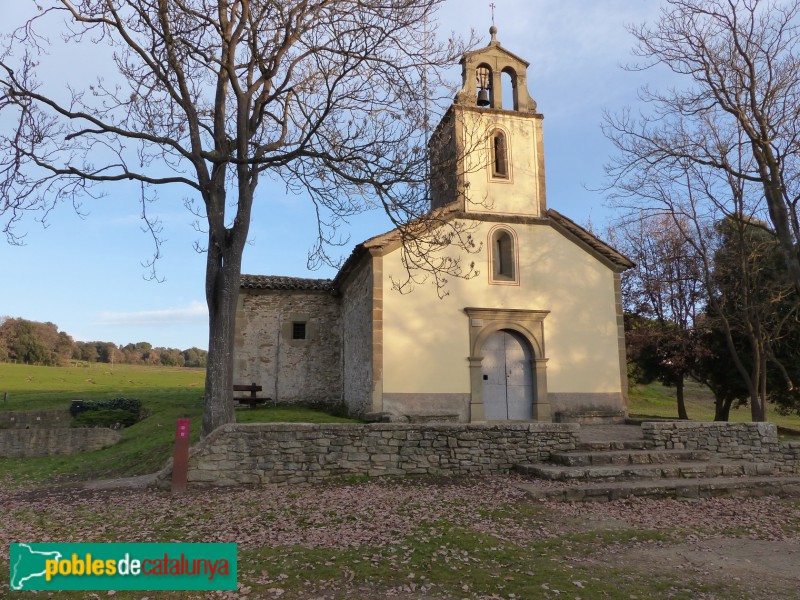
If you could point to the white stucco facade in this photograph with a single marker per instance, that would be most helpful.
(432, 334)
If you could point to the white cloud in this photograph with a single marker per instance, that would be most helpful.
(195, 311)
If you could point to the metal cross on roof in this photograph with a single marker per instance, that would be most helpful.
(492, 5)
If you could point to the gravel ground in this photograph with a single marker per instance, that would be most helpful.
(751, 544)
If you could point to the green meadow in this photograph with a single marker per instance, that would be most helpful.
(31, 387)
(656, 400)
(167, 394)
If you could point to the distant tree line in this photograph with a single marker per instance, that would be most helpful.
(36, 343)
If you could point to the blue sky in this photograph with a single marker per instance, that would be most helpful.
(85, 273)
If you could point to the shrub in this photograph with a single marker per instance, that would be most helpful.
(132, 405)
(105, 418)
(105, 413)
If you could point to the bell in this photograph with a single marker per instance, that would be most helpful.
(483, 98)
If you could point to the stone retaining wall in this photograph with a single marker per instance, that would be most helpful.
(15, 443)
(746, 441)
(256, 453)
(24, 419)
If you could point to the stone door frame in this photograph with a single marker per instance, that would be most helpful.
(483, 322)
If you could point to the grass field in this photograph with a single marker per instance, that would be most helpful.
(656, 400)
(167, 393)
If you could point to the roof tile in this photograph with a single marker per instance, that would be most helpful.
(277, 282)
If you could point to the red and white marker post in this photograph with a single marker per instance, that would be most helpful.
(180, 460)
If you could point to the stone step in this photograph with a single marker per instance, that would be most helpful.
(739, 487)
(626, 457)
(606, 445)
(673, 470)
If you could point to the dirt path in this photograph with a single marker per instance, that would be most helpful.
(760, 568)
(753, 547)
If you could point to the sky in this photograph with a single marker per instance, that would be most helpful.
(84, 271)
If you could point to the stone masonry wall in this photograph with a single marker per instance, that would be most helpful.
(357, 349)
(256, 453)
(747, 441)
(289, 371)
(25, 419)
(16, 443)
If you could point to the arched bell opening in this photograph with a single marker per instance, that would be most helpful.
(483, 82)
(508, 77)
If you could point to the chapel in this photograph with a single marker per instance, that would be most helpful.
(537, 335)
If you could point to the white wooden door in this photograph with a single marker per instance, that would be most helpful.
(507, 377)
(495, 404)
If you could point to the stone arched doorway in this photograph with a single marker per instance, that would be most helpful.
(522, 331)
(508, 377)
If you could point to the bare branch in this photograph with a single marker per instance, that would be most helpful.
(324, 94)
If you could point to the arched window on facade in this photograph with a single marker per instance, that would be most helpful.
(499, 150)
(503, 257)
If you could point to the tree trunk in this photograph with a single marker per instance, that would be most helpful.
(755, 407)
(223, 272)
(778, 212)
(722, 409)
(761, 414)
(682, 414)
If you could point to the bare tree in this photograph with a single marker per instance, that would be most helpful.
(738, 71)
(699, 199)
(214, 94)
(665, 289)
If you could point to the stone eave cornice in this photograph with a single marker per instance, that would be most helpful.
(493, 46)
(570, 229)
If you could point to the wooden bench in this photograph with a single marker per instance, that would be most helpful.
(252, 400)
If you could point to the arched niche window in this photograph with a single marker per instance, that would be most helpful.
(498, 147)
(503, 256)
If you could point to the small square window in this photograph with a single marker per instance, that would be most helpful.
(298, 330)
